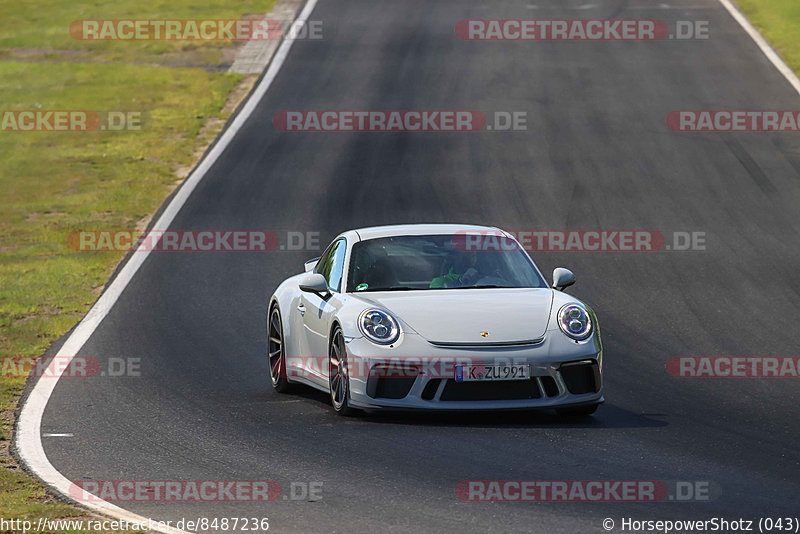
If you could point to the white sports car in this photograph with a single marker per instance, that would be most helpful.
(434, 317)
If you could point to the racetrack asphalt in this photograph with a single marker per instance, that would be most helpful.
(597, 154)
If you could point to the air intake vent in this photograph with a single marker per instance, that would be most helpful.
(581, 378)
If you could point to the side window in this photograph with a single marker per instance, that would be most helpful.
(331, 264)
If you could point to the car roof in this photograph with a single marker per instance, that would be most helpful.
(374, 232)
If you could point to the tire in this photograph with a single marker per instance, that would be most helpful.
(338, 379)
(578, 411)
(276, 352)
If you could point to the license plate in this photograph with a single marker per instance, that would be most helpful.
(475, 373)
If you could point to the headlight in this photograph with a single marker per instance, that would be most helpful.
(379, 327)
(575, 321)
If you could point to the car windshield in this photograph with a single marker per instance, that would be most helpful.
(456, 261)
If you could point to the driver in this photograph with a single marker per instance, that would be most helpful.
(465, 265)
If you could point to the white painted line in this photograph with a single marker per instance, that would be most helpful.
(58, 435)
(762, 43)
(28, 438)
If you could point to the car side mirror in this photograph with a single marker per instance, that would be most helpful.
(562, 278)
(310, 264)
(314, 283)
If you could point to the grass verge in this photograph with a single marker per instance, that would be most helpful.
(779, 22)
(53, 183)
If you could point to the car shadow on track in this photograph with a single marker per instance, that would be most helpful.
(607, 416)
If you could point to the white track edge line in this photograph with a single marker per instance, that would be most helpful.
(762, 43)
(28, 431)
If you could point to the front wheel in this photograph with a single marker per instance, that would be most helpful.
(277, 352)
(578, 411)
(337, 374)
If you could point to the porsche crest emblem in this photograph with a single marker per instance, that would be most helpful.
(484, 334)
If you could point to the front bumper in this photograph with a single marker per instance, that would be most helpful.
(563, 373)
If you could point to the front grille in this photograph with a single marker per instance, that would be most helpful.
(487, 391)
(483, 344)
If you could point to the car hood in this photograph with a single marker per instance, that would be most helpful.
(460, 316)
